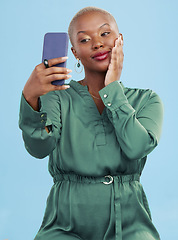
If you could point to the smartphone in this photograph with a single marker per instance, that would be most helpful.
(56, 45)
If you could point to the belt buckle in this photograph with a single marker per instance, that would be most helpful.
(111, 179)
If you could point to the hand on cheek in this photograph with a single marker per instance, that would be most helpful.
(116, 64)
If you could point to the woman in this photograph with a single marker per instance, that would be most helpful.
(97, 134)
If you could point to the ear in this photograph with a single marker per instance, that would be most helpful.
(74, 52)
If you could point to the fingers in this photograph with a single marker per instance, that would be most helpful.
(122, 39)
(54, 77)
(54, 61)
(58, 87)
(116, 63)
(117, 55)
(56, 73)
(118, 48)
(57, 70)
(47, 75)
(119, 41)
(40, 81)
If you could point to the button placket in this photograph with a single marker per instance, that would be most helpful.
(100, 135)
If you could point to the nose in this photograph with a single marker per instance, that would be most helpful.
(97, 43)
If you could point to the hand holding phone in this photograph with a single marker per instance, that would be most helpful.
(39, 82)
(55, 45)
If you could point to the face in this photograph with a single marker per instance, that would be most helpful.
(94, 36)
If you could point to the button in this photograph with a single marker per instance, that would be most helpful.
(109, 104)
(105, 95)
(42, 115)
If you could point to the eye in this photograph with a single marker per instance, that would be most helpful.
(84, 40)
(105, 33)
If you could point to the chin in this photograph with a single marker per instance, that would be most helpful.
(102, 66)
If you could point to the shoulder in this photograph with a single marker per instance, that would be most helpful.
(133, 91)
(142, 97)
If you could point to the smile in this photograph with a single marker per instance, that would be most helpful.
(101, 55)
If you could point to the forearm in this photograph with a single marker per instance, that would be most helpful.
(137, 130)
(39, 141)
(135, 141)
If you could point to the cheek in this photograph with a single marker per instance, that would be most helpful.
(113, 39)
(84, 54)
(82, 51)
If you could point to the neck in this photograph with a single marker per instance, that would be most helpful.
(94, 81)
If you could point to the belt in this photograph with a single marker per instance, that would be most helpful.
(107, 180)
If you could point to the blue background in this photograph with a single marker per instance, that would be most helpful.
(150, 47)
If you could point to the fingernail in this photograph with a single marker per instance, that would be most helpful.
(67, 86)
(69, 76)
(118, 41)
(65, 57)
(69, 70)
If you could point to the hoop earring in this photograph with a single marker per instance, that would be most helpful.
(78, 66)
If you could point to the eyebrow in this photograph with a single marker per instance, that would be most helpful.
(99, 27)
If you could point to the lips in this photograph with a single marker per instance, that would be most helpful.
(101, 55)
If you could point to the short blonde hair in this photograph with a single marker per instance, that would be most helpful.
(83, 11)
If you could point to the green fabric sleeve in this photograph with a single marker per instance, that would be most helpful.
(37, 141)
(138, 133)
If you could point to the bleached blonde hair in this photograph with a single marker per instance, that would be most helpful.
(83, 11)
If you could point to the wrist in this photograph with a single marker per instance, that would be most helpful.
(107, 83)
(32, 101)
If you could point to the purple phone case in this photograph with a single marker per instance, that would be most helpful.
(56, 45)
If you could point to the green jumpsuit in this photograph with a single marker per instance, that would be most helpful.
(95, 160)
